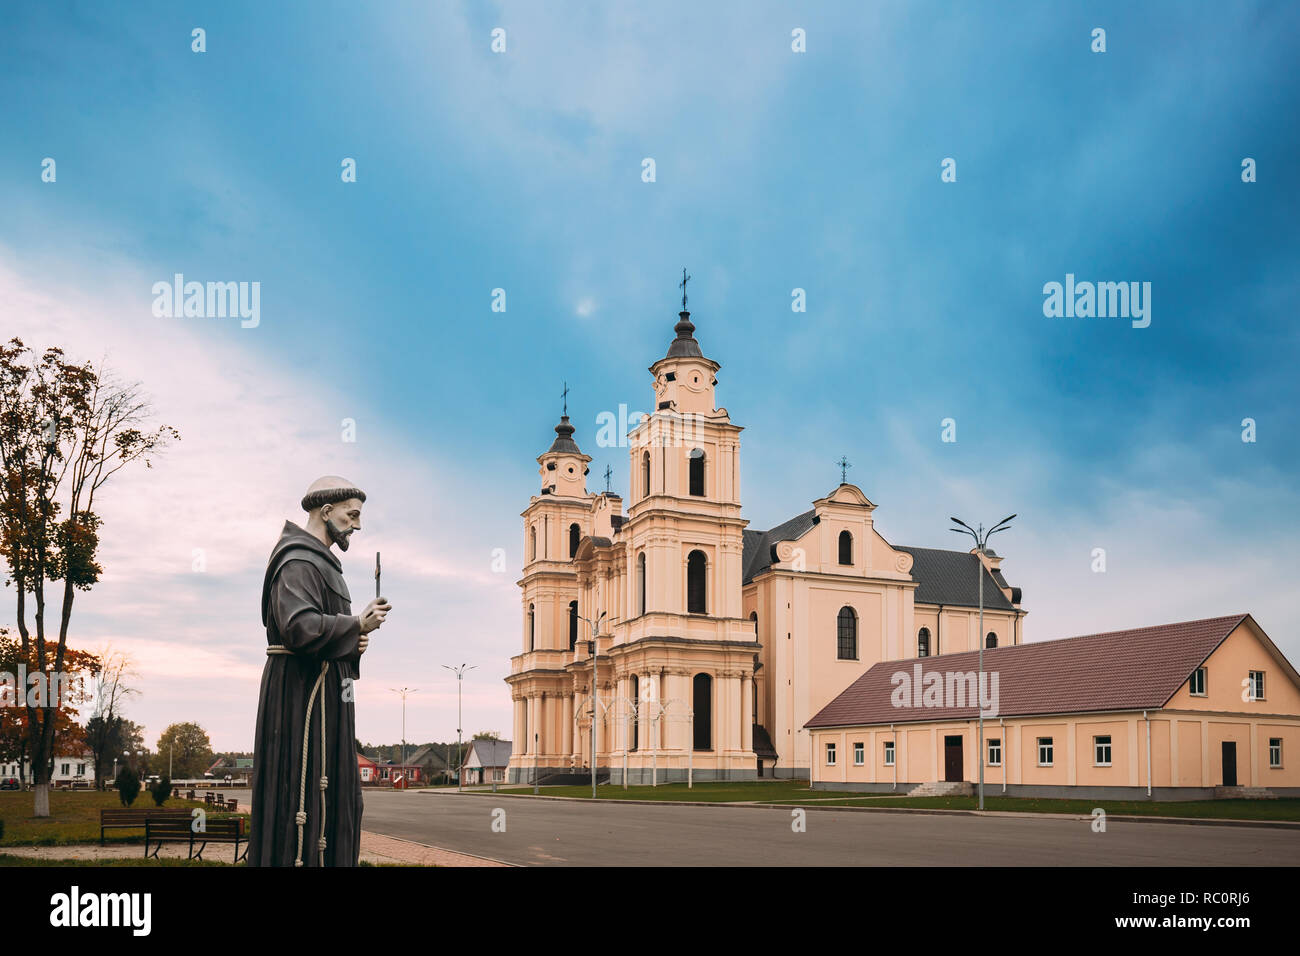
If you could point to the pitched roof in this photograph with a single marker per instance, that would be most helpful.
(759, 545)
(950, 578)
(490, 753)
(943, 577)
(1138, 669)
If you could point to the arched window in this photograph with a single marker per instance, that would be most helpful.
(573, 624)
(848, 635)
(532, 632)
(753, 616)
(923, 642)
(696, 593)
(991, 640)
(532, 534)
(702, 705)
(697, 472)
(846, 548)
(640, 581)
(635, 689)
(575, 535)
(645, 475)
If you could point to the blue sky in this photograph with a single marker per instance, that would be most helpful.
(775, 170)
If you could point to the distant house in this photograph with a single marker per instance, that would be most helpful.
(69, 770)
(431, 760)
(239, 769)
(486, 761)
(369, 770)
(375, 773)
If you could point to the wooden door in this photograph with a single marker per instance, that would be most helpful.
(953, 770)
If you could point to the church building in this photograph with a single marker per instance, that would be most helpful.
(674, 640)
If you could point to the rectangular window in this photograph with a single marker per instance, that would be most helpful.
(830, 755)
(859, 754)
(1101, 751)
(1256, 685)
(995, 752)
(889, 753)
(1275, 752)
(1045, 751)
(1198, 682)
(65, 770)
(81, 770)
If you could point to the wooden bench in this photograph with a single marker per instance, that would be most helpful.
(221, 830)
(132, 819)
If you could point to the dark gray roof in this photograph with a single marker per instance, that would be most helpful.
(564, 443)
(491, 753)
(684, 346)
(949, 578)
(758, 545)
(943, 577)
(617, 521)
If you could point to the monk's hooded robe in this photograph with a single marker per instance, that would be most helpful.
(307, 609)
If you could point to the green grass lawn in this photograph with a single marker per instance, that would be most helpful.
(796, 793)
(74, 817)
(12, 860)
(1281, 809)
(719, 792)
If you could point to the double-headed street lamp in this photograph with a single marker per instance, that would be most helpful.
(981, 541)
(595, 695)
(460, 676)
(403, 691)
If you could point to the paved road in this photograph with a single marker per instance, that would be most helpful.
(561, 832)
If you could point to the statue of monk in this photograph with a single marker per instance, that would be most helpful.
(306, 808)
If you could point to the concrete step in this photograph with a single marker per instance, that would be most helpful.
(1244, 793)
(943, 788)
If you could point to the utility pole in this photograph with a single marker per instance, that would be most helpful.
(460, 747)
(981, 541)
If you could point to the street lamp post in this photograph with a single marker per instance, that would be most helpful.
(981, 541)
(460, 747)
(406, 780)
(595, 695)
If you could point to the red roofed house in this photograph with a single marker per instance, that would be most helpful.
(1179, 711)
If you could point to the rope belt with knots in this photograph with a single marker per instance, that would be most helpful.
(301, 818)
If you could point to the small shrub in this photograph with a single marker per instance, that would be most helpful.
(2, 829)
(161, 790)
(128, 786)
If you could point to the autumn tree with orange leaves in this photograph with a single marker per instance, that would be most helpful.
(65, 430)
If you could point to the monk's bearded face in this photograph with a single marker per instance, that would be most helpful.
(341, 521)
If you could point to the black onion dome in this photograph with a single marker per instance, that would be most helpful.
(564, 443)
(684, 346)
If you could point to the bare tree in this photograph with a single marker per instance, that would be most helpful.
(65, 430)
(106, 730)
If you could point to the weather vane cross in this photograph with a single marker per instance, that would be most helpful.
(565, 395)
(844, 469)
(685, 279)
(608, 472)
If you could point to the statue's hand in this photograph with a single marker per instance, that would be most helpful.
(374, 614)
(362, 644)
